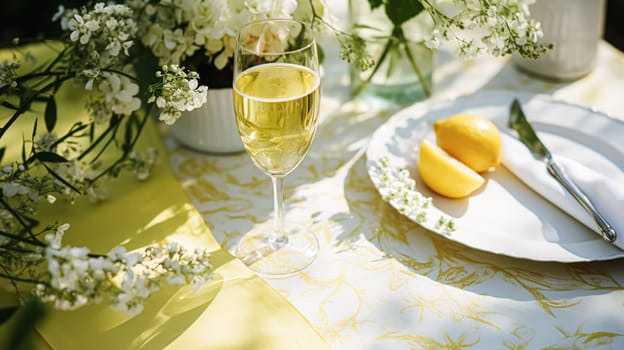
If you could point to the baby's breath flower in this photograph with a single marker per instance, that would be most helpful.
(73, 171)
(120, 93)
(398, 188)
(177, 92)
(50, 198)
(10, 189)
(113, 93)
(99, 34)
(176, 31)
(8, 74)
(143, 163)
(92, 75)
(96, 53)
(46, 141)
(505, 28)
(77, 278)
(55, 239)
(353, 50)
(488, 26)
(434, 40)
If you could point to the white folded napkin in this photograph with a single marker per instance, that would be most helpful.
(606, 194)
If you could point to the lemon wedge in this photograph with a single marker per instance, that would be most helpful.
(444, 174)
(471, 139)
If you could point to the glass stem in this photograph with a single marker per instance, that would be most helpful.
(278, 238)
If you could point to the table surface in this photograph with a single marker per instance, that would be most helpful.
(382, 282)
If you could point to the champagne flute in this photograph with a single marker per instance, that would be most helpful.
(276, 103)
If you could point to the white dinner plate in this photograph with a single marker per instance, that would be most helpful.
(505, 216)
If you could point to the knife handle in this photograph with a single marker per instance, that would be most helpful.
(606, 231)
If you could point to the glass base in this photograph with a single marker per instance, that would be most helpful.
(269, 257)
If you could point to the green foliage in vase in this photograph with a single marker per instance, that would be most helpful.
(477, 27)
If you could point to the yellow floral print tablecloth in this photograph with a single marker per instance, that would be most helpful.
(380, 281)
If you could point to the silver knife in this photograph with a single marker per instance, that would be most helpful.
(527, 135)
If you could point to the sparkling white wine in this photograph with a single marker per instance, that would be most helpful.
(276, 107)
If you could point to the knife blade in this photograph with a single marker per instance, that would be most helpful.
(527, 135)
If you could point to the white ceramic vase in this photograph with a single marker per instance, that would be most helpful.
(575, 28)
(212, 127)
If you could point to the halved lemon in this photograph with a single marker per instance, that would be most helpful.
(444, 174)
(471, 139)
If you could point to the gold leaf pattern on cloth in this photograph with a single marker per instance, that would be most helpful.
(381, 281)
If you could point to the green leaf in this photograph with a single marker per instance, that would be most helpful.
(375, 3)
(132, 129)
(321, 53)
(50, 157)
(34, 132)
(128, 136)
(113, 120)
(50, 114)
(92, 133)
(26, 98)
(22, 325)
(23, 150)
(400, 11)
(38, 98)
(6, 313)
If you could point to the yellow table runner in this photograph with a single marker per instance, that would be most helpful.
(238, 310)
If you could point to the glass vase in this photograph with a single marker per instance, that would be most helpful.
(403, 69)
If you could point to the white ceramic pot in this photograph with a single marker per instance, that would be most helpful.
(212, 127)
(575, 28)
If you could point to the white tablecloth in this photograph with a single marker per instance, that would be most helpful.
(382, 282)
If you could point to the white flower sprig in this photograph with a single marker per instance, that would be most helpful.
(178, 91)
(74, 277)
(397, 187)
(100, 34)
(100, 42)
(115, 94)
(8, 74)
(491, 27)
(176, 30)
(78, 160)
(494, 27)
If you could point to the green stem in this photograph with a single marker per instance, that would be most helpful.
(73, 131)
(421, 78)
(20, 239)
(142, 123)
(69, 134)
(24, 105)
(100, 138)
(24, 224)
(4, 249)
(129, 76)
(358, 90)
(19, 279)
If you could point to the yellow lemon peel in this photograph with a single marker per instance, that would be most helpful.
(471, 139)
(444, 174)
